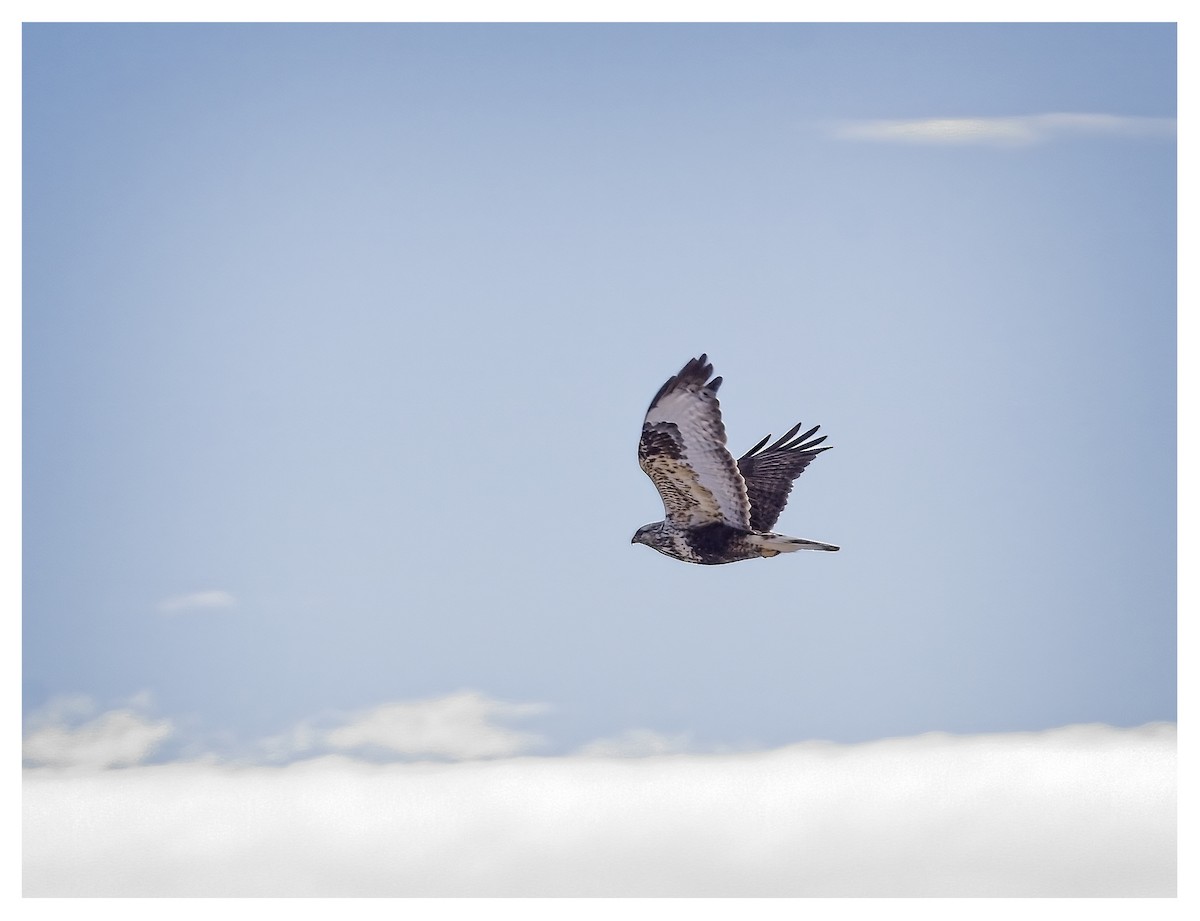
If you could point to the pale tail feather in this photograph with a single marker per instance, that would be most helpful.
(774, 544)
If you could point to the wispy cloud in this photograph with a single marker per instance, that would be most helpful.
(68, 731)
(60, 736)
(458, 726)
(1005, 131)
(197, 601)
(1079, 811)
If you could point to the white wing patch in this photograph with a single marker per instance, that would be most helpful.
(702, 484)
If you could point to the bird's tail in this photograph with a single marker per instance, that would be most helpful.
(771, 544)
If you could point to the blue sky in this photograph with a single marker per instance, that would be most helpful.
(337, 341)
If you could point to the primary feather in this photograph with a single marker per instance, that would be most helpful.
(769, 473)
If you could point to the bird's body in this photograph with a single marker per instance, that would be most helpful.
(717, 510)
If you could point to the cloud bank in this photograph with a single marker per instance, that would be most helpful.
(1078, 811)
(1011, 131)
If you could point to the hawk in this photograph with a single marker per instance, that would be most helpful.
(718, 510)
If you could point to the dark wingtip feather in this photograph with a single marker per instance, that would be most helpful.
(757, 446)
(696, 371)
(792, 431)
(790, 443)
(797, 444)
(807, 435)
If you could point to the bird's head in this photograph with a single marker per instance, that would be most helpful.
(647, 534)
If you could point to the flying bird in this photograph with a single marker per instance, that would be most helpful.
(717, 510)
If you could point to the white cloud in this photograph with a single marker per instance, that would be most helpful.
(116, 738)
(1011, 131)
(1084, 810)
(457, 726)
(197, 601)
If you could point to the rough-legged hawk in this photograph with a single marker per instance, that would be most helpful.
(718, 511)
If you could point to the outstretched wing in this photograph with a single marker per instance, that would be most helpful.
(769, 472)
(683, 452)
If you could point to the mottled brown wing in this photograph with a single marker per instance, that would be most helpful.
(683, 451)
(769, 473)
